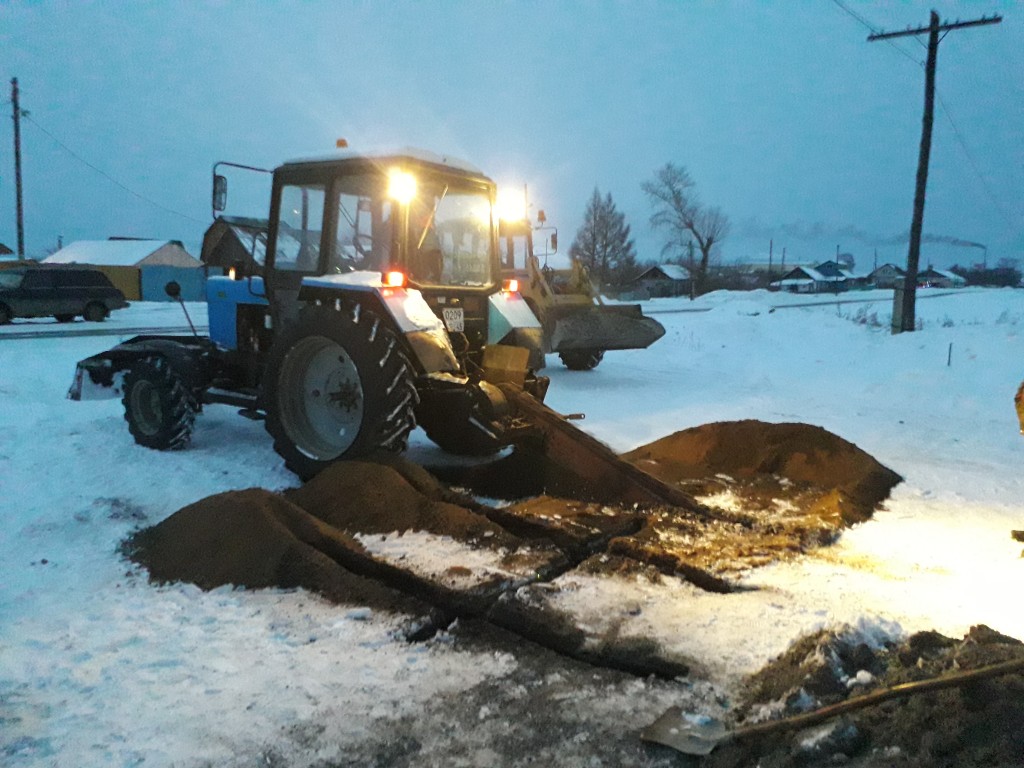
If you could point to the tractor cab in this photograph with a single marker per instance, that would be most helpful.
(413, 220)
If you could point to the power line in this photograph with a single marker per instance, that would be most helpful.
(106, 175)
(945, 109)
(907, 300)
(973, 162)
(874, 30)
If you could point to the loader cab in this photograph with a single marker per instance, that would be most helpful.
(355, 215)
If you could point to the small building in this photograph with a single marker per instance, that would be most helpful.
(139, 268)
(939, 278)
(664, 280)
(4, 250)
(236, 241)
(886, 276)
(811, 280)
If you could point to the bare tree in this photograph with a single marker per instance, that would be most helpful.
(678, 210)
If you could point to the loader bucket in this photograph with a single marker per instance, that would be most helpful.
(602, 327)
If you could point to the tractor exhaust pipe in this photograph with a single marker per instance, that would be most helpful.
(173, 290)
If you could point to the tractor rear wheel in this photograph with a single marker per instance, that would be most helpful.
(581, 359)
(337, 386)
(159, 408)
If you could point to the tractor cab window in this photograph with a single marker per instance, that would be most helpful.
(450, 238)
(515, 248)
(300, 224)
(363, 240)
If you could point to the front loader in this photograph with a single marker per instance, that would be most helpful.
(578, 325)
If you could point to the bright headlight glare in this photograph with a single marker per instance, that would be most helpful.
(511, 205)
(401, 186)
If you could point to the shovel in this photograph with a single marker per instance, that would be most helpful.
(699, 735)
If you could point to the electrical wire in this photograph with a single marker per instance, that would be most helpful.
(875, 30)
(963, 145)
(106, 175)
(945, 110)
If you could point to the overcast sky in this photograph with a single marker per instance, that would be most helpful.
(803, 132)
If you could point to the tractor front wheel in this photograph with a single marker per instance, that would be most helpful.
(159, 408)
(337, 386)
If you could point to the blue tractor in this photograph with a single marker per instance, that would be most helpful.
(374, 302)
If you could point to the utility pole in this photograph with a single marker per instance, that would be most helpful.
(17, 167)
(907, 320)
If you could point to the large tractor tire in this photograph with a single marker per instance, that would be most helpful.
(159, 408)
(337, 386)
(581, 359)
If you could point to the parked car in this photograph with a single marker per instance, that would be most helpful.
(63, 292)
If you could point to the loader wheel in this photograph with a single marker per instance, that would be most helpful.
(337, 386)
(581, 359)
(159, 408)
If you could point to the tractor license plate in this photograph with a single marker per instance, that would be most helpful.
(454, 320)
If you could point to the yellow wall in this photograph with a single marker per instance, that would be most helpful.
(127, 279)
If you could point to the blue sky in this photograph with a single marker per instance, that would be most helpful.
(803, 132)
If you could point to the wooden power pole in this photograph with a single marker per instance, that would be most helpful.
(17, 167)
(907, 321)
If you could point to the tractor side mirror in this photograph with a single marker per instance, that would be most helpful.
(172, 289)
(554, 242)
(220, 192)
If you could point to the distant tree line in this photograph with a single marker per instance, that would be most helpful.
(1004, 275)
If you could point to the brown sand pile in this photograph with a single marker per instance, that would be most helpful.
(256, 539)
(781, 459)
(368, 497)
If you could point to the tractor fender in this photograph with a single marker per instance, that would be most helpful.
(427, 343)
(511, 320)
(101, 376)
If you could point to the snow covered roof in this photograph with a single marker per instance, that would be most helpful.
(415, 153)
(107, 253)
(671, 271)
(675, 271)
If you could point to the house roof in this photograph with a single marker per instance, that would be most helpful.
(4, 250)
(946, 274)
(670, 271)
(108, 253)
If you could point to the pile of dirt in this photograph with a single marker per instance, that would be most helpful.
(978, 723)
(394, 495)
(257, 539)
(760, 461)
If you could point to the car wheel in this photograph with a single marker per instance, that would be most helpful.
(95, 312)
(159, 408)
(64, 318)
(5, 314)
(337, 386)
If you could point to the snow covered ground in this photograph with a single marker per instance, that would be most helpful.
(98, 668)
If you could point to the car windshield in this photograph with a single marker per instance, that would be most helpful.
(450, 237)
(11, 278)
